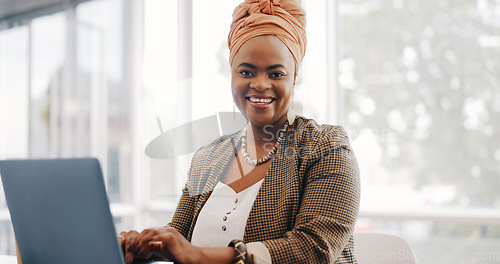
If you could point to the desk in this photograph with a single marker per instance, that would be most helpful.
(4, 259)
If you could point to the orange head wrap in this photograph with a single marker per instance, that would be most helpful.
(283, 18)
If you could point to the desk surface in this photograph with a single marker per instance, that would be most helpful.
(5, 259)
(8, 259)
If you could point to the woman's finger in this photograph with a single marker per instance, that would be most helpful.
(129, 257)
(143, 238)
(128, 238)
(174, 246)
(121, 238)
(146, 250)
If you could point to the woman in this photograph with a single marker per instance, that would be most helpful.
(283, 190)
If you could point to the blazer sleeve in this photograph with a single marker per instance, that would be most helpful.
(329, 206)
(181, 220)
(184, 213)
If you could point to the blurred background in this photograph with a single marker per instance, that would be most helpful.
(415, 83)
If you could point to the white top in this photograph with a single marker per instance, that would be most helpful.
(224, 216)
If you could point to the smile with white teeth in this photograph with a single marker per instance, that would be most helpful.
(260, 100)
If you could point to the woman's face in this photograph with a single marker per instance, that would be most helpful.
(262, 79)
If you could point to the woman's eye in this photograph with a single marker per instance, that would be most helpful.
(277, 75)
(245, 73)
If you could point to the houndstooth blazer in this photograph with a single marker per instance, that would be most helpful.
(307, 206)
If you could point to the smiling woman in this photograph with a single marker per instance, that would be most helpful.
(284, 189)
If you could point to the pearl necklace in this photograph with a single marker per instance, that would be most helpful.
(269, 155)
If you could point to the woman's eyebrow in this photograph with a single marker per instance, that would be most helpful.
(272, 67)
(251, 66)
(248, 65)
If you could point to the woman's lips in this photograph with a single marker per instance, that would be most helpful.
(260, 102)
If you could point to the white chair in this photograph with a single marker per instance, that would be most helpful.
(376, 248)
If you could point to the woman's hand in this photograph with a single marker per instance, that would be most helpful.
(166, 241)
(126, 241)
(170, 244)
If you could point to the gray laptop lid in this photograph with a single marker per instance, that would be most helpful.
(60, 211)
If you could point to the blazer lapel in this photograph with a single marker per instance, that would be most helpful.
(219, 158)
(268, 207)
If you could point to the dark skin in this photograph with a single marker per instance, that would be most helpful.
(262, 80)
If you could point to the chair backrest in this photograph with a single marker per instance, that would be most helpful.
(376, 248)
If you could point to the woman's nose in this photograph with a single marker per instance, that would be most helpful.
(260, 83)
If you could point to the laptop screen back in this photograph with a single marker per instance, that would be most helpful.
(60, 211)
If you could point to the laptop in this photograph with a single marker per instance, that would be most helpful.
(60, 211)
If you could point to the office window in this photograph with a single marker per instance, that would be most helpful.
(47, 53)
(63, 94)
(422, 103)
(14, 71)
(102, 58)
(14, 112)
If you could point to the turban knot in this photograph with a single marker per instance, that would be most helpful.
(263, 6)
(283, 18)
